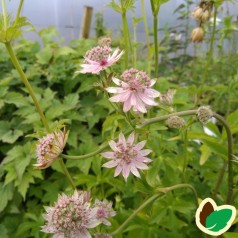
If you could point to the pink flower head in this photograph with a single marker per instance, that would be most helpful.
(135, 91)
(49, 148)
(104, 211)
(70, 217)
(126, 156)
(99, 58)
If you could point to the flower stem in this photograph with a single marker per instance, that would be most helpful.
(146, 35)
(4, 14)
(38, 108)
(66, 172)
(230, 158)
(165, 117)
(27, 84)
(213, 36)
(185, 154)
(124, 25)
(162, 192)
(19, 10)
(142, 206)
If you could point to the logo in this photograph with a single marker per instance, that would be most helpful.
(212, 219)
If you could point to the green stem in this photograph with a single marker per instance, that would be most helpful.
(19, 10)
(165, 117)
(27, 84)
(141, 207)
(38, 108)
(213, 36)
(124, 26)
(152, 199)
(4, 13)
(185, 156)
(66, 172)
(76, 157)
(230, 157)
(183, 185)
(146, 35)
(156, 45)
(220, 179)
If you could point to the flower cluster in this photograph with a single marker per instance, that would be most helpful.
(49, 148)
(134, 91)
(204, 114)
(202, 14)
(71, 217)
(99, 58)
(126, 156)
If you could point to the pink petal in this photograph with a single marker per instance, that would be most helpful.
(135, 171)
(140, 106)
(140, 145)
(146, 99)
(152, 82)
(122, 139)
(127, 106)
(116, 81)
(140, 165)
(122, 97)
(110, 164)
(145, 152)
(152, 93)
(118, 170)
(108, 155)
(115, 90)
(126, 171)
(131, 138)
(113, 145)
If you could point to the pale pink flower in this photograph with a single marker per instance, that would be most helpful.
(70, 217)
(104, 211)
(99, 58)
(135, 91)
(49, 148)
(126, 156)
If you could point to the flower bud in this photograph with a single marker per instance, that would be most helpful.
(197, 13)
(197, 35)
(205, 16)
(175, 122)
(167, 98)
(204, 113)
(105, 41)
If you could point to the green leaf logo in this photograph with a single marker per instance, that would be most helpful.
(212, 219)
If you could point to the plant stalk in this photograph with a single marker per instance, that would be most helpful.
(230, 157)
(19, 10)
(4, 14)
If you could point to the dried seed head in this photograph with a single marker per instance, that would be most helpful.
(175, 122)
(197, 35)
(204, 113)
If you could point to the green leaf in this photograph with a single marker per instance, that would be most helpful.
(6, 195)
(45, 55)
(206, 152)
(16, 99)
(218, 220)
(3, 231)
(231, 235)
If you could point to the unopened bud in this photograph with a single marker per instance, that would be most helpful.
(197, 35)
(175, 122)
(204, 113)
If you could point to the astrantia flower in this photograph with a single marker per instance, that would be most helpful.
(99, 58)
(126, 156)
(135, 91)
(104, 211)
(70, 217)
(49, 148)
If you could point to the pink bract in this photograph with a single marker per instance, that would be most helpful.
(126, 156)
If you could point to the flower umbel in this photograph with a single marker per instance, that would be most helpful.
(104, 211)
(126, 156)
(99, 58)
(49, 148)
(70, 217)
(135, 91)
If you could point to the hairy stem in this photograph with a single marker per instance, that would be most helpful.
(38, 108)
(162, 192)
(4, 14)
(230, 156)
(27, 84)
(125, 36)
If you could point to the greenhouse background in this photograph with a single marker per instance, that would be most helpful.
(66, 15)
